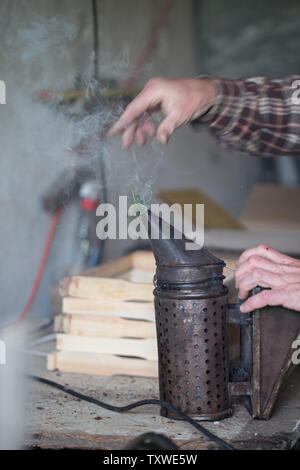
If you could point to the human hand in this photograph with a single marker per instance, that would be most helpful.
(262, 266)
(180, 100)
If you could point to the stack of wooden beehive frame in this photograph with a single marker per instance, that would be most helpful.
(106, 325)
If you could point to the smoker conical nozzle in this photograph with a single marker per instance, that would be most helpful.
(170, 246)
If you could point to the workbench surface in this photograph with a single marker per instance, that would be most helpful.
(57, 420)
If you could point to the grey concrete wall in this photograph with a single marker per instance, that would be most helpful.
(45, 44)
(238, 38)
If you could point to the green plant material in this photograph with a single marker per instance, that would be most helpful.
(136, 198)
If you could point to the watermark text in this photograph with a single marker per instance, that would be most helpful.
(160, 221)
(296, 354)
(2, 353)
(2, 92)
(296, 93)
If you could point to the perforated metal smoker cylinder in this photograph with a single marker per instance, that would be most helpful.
(190, 309)
(192, 350)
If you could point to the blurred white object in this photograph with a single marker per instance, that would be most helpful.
(12, 365)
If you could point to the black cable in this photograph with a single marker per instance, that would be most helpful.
(102, 168)
(131, 406)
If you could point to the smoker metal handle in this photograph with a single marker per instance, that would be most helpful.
(236, 316)
(240, 384)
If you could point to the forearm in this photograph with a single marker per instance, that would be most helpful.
(256, 115)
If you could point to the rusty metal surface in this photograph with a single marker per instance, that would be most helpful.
(169, 249)
(235, 316)
(265, 355)
(193, 362)
(240, 388)
(256, 368)
(192, 310)
(275, 331)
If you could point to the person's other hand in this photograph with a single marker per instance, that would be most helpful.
(180, 100)
(262, 266)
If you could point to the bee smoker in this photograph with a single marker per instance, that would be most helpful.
(190, 309)
(192, 315)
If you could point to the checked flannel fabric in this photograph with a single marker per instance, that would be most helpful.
(257, 115)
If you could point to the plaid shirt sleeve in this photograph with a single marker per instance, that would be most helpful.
(257, 116)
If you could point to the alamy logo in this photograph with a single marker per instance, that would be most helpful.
(2, 92)
(115, 226)
(296, 93)
(296, 354)
(2, 353)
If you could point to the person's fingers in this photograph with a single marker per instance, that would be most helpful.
(252, 263)
(128, 136)
(288, 297)
(138, 130)
(147, 99)
(267, 252)
(148, 127)
(262, 299)
(259, 262)
(262, 278)
(167, 127)
(145, 129)
(140, 137)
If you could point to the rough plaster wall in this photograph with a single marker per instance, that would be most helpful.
(38, 50)
(44, 44)
(240, 39)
